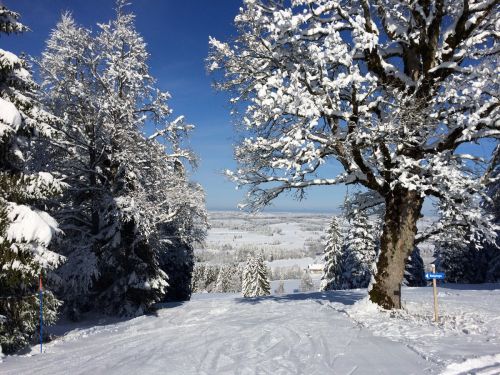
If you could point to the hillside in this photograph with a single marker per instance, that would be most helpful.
(308, 333)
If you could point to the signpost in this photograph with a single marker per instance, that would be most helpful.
(434, 276)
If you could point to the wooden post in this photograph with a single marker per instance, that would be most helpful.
(435, 295)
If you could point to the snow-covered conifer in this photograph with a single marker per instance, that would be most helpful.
(359, 253)
(25, 229)
(387, 90)
(197, 283)
(459, 252)
(460, 262)
(131, 212)
(493, 206)
(466, 258)
(254, 280)
(333, 257)
(414, 270)
(223, 283)
(177, 261)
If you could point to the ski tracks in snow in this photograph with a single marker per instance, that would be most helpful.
(485, 365)
(228, 335)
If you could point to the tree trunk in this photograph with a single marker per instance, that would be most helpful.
(400, 226)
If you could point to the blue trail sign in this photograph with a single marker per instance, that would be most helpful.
(434, 275)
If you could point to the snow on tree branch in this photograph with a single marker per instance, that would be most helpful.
(389, 90)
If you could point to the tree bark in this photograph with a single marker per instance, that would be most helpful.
(403, 209)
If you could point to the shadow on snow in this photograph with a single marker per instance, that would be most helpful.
(346, 297)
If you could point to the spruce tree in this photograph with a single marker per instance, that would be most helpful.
(460, 260)
(177, 261)
(248, 277)
(132, 214)
(229, 279)
(25, 229)
(223, 283)
(197, 280)
(493, 206)
(414, 270)
(470, 259)
(255, 281)
(460, 254)
(332, 273)
(359, 253)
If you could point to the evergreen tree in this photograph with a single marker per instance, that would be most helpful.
(177, 261)
(255, 281)
(224, 278)
(333, 256)
(360, 252)
(460, 254)
(210, 277)
(493, 206)
(457, 261)
(197, 280)
(223, 283)
(460, 260)
(131, 213)
(25, 229)
(414, 270)
(466, 258)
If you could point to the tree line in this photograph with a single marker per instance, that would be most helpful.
(95, 196)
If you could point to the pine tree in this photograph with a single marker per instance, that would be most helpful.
(414, 270)
(333, 256)
(255, 281)
(25, 229)
(131, 213)
(359, 252)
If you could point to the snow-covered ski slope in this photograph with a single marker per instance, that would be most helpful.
(306, 333)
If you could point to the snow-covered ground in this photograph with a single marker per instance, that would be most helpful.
(277, 235)
(302, 333)
(286, 238)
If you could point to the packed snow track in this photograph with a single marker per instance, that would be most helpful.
(227, 335)
(302, 333)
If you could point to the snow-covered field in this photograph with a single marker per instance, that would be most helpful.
(302, 333)
(286, 238)
(277, 235)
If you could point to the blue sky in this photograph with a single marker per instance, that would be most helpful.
(177, 36)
